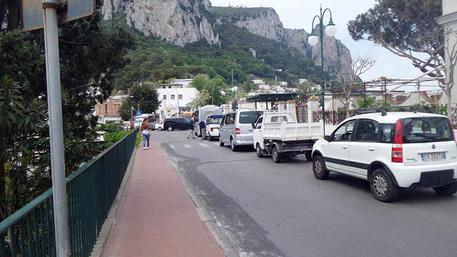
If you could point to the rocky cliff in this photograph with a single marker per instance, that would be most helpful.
(177, 21)
(265, 22)
(187, 21)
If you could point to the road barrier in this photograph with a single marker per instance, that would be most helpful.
(29, 232)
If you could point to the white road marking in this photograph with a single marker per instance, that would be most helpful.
(172, 147)
(204, 145)
(187, 146)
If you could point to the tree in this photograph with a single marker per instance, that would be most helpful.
(89, 58)
(212, 91)
(451, 60)
(405, 28)
(349, 81)
(144, 96)
(305, 90)
(126, 109)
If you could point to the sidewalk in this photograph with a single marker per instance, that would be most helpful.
(156, 216)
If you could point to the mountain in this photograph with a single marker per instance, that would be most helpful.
(178, 21)
(187, 22)
(265, 22)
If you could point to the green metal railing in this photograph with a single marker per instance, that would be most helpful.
(29, 232)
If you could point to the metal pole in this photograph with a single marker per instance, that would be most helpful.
(321, 29)
(59, 192)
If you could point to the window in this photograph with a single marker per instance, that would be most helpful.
(426, 129)
(249, 117)
(214, 121)
(180, 97)
(344, 132)
(388, 133)
(164, 97)
(259, 123)
(230, 119)
(367, 131)
(172, 97)
(279, 119)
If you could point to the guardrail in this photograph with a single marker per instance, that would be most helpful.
(29, 232)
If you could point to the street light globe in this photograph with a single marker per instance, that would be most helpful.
(330, 30)
(313, 40)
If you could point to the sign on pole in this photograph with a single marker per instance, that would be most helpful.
(32, 12)
(37, 14)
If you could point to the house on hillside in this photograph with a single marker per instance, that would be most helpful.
(175, 96)
(108, 111)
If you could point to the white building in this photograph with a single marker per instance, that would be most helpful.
(175, 97)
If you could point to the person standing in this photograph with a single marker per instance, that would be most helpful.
(191, 129)
(145, 133)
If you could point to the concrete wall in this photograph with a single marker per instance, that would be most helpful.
(449, 6)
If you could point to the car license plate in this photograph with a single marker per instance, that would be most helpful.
(426, 157)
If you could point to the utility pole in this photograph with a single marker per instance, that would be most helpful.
(59, 191)
(365, 92)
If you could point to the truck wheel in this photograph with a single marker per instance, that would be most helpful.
(319, 169)
(258, 151)
(170, 128)
(275, 155)
(382, 187)
(446, 190)
(308, 156)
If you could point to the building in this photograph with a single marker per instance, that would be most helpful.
(108, 111)
(175, 97)
(449, 22)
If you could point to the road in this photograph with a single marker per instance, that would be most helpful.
(268, 209)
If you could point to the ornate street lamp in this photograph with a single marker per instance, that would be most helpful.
(313, 39)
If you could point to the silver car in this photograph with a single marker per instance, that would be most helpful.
(236, 128)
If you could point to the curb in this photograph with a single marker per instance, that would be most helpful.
(110, 220)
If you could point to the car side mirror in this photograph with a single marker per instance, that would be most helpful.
(328, 138)
(253, 125)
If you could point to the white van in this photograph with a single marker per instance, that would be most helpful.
(236, 128)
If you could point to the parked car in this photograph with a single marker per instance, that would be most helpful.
(201, 115)
(391, 151)
(236, 128)
(212, 126)
(177, 123)
(278, 134)
(158, 126)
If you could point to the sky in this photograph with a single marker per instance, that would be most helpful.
(298, 14)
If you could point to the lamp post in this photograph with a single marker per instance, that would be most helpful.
(313, 39)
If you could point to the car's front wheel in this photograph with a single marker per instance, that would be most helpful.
(170, 128)
(258, 151)
(319, 169)
(446, 190)
(382, 186)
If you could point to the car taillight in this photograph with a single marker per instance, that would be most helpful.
(237, 131)
(397, 148)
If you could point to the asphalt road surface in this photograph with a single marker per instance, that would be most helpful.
(269, 209)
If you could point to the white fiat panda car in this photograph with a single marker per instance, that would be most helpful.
(392, 151)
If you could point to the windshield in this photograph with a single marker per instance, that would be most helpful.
(249, 117)
(214, 121)
(426, 129)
